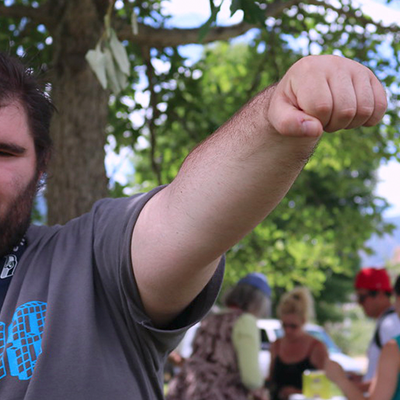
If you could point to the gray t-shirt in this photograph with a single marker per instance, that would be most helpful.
(72, 324)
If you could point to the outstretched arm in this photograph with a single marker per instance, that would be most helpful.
(233, 180)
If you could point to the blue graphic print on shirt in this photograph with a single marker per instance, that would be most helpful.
(2, 347)
(24, 342)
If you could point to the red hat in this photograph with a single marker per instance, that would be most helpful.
(373, 279)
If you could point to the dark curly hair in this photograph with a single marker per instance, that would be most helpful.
(19, 83)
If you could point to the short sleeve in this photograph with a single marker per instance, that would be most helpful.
(390, 327)
(114, 222)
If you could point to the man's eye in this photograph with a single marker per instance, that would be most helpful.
(6, 154)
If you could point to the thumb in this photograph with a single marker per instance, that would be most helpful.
(290, 121)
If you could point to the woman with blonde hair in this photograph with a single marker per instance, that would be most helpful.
(297, 350)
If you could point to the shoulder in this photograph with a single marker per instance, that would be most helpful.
(248, 319)
(42, 237)
(388, 320)
(318, 348)
(246, 323)
(38, 231)
(275, 345)
(389, 327)
(318, 353)
(317, 343)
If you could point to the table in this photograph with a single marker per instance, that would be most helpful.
(302, 397)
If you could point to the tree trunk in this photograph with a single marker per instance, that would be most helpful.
(77, 175)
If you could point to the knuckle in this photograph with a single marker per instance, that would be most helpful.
(381, 105)
(323, 108)
(347, 113)
(375, 119)
(365, 111)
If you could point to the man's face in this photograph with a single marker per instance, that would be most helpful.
(369, 301)
(18, 176)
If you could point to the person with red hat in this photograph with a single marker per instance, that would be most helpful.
(374, 290)
(386, 381)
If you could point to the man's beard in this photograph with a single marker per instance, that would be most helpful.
(17, 218)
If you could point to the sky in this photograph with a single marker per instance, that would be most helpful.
(388, 187)
(190, 13)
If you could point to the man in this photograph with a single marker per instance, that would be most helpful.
(374, 290)
(94, 306)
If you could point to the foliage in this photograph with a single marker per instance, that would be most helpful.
(354, 333)
(109, 60)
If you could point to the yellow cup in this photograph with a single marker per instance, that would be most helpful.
(317, 385)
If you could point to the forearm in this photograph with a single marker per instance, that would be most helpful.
(336, 374)
(351, 391)
(363, 386)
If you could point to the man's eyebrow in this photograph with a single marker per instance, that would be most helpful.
(12, 148)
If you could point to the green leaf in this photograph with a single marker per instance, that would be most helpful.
(112, 72)
(97, 61)
(207, 25)
(235, 6)
(122, 79)
(119, 53)
(252, 13)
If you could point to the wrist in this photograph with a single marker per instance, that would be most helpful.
(297, 143)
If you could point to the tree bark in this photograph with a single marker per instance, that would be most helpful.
(77, 174)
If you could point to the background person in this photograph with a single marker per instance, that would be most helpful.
(374, 290)
(386, 383)
(224, 363)
(297, 350)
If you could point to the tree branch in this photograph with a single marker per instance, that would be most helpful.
(362, 19)
(37, 15)
(162, 37)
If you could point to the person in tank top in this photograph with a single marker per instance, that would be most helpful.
(386, 382)
(297, 350)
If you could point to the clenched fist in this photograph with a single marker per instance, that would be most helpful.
(326, 93)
